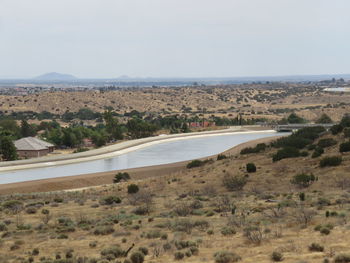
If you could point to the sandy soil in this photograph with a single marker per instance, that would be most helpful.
(94, 179)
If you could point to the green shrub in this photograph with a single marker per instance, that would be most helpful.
(133, 189)
(3, 227)
(58, 200)
(344, 147)
(294, 118)
(330, 161)
(324, 119)
(299, 139)
(345, 121)
(286, 152)
(196, 163)
(143, 250)
(103, 230)
(318, 152)
(292, 141)
(303, 180)
(24, 227)
(221, 157)
(62, 236)
(226, 257)
(113, 252)
(325, 231)
(153, 234)
(137, 257)
(347, 132)
(121, 177)
(13, 205)
(311, 147)
(328, 142)
(110, 200)
(304, 153)
(179, 255)
(342, 258)
(316, 247)
(302, 197)
(35, 252)
(181, 244)
(81, 149)
(228, 231)
(234, 183)
(335, 129)
(194, 250)
(277, 256)
(258, 148)
(93, 244)
(31, 210)
(251, 168)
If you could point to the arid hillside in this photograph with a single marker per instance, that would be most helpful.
(290, 210)
(272, 101)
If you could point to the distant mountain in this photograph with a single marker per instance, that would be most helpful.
(55, 76)
(123, 77)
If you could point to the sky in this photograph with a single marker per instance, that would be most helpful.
(174, 38)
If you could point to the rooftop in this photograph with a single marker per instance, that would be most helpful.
(32, 144)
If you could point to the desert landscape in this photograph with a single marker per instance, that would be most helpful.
(254, 206)
(271, 101)
(162, 131)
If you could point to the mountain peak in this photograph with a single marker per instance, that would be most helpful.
(55, 76)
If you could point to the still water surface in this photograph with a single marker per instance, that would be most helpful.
(162, 153)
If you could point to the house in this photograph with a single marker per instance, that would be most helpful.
(30, 147)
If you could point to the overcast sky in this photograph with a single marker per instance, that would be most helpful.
(174, 38)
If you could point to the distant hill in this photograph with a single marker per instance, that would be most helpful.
(55, 76)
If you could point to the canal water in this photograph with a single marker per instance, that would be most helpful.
(160, 153)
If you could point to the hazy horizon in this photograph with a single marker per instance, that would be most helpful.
(174, 39)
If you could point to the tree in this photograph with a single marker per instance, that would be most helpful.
(69, 138)
(8, 149)
(293, 118)
(10, 126)
(138, 128)
(324, 119)
(26, 129)
(99, 139)
(112, 127)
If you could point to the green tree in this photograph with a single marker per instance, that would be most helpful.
(138, 128)
(293, 118)
(10, 126)
(324, 119)
(112, 127)
(8, 149)
(27, 129)
(69, 138)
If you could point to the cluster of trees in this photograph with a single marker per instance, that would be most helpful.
(344, 125)
(293, 118)
(292, 145)
(10, 131)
